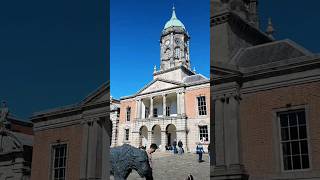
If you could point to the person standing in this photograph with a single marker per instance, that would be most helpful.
(199, 151)
(174, 144)
(180, 145)
(152, 149)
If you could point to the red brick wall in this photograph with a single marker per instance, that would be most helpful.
(191, 101)
(42, 151)
(256, 118)
(123, 110)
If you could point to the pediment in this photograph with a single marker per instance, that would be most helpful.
(102, 94)
(158, 85)
(9, 142)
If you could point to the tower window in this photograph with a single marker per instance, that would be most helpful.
(202, 106)
(177, 53)
(293, 140)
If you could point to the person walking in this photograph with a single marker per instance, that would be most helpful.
(199, 151)
(180, 145)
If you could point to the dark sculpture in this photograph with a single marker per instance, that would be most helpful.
(126, 158)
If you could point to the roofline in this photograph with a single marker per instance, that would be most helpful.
(183, 85)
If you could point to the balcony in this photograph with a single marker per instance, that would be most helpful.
(162, 118)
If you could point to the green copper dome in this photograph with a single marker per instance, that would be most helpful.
(174, 21)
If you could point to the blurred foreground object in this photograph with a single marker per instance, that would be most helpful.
(126, 158)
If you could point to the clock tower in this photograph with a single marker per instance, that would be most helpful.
(174, 44)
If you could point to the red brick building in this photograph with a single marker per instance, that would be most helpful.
(72, 142)
(265, 98)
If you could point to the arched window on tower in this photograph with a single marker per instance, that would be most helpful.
(177, 53)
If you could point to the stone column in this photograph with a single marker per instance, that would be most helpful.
(105, 157)
(140, 109)
(149, 139)
(182, 104)
(178, 103)
(228, 163)
(94, 145)
(219, 137)
(164, 105)
(114, 132)
(163, 140)
(85, 146)
(137, 109)
(151, 107)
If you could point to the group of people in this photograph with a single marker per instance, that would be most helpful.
(179, 150)
(174, 148)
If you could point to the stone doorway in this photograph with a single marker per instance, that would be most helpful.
(171, 133)
(143, 139)
(156, 135)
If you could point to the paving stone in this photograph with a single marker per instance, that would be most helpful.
(177, 167)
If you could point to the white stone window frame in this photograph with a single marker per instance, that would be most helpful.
(277, 141)
(125, 135)
(128, 114)
(52, 155)
(197, 105)
(199, 129)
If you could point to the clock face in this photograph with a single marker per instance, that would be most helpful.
(178, 41)
(167, 42)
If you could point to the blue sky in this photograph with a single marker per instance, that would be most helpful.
(293, 19)
(136, 27)
(52, 53)
(135, 33)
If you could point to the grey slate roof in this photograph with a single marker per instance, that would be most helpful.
(25, 139)
(194, 79)
(269, 53)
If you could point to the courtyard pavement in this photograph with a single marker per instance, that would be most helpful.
(176, 167)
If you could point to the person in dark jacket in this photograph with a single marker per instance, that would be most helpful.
(174, 144)
(199, 151)
(180, 145)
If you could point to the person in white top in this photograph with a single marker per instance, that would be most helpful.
(152, 149)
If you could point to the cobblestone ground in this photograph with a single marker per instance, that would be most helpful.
(176, 167)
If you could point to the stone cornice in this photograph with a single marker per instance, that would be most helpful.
(270, 70)
(174, 68)
(233, 18)
(69, 111)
